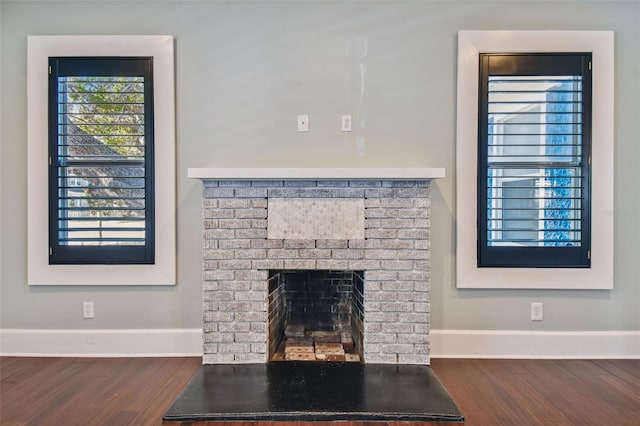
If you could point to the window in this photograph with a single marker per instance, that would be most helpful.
(518, 200)
(533, 160)
(101, 170)
(113, 127)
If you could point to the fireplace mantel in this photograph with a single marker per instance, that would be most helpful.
(398, 173)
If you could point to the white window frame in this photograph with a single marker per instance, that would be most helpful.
(470, 45)
(163, 271)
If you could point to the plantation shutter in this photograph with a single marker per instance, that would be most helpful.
(534, 160)
(101, 152)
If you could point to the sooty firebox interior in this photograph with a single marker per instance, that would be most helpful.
(316, 315)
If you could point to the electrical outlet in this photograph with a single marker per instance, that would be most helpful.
(303, 123)
(537, 311)
(87, 310)
(346, 123)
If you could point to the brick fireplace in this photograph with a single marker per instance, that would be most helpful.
(261, 222)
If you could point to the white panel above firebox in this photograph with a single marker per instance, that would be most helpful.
(315, 218)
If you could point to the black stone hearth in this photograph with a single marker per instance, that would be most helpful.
(314, 391)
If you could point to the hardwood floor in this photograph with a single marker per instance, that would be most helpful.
(137, 391)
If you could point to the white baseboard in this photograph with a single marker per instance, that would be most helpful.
(535, 344)
(101, 343)
(444, 343)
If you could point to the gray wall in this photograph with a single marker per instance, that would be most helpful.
(243, 72)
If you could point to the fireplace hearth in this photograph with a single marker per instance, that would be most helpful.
(316, 257)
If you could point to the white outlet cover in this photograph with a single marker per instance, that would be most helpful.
(303, 123)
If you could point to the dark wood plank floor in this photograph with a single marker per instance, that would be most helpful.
(137, 391)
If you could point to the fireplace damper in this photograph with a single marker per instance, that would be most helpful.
(316, 315)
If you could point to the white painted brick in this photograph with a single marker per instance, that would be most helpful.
(414, 254)
(421, 359)
(396, 328)
(209, 306)
(421, 307)
(401, 245)
(234, 244)
(364, 183)
(234, 223)
(259, 348)
(210, 265)
(372, 202)
(208, 183)
(421, 349)
(373, 358)
(396, 202)
(250, 337)
(381, 296)
(266, 183)
(209, 244)
(299, 264)
(422, 202)
(372, 327)
(211, 234)
(210, 224)
(332, 183)
(210, 285)
(300, 183)
(219, 317)
(259, 203)
(397, 264)
(234, 348)
(218, 214)
(268, 264)
(331, 244)
(234, 264)
(234, 327)
(332, 264)
(414, 275)
(394, 286)
(371, 286)
(300, 244)
(413, 234)
(210, 204)
(283, 193)
(397, 307)
(317, 192)
(282, 254)
(347, 254)
(250, 358)
(251, 192)
(259, 286)
(390, 348)
(347, 193)
(413, 338)
(421, 328)
(381, 316)
(380, 338)
(217, 358)
(251, 316)
(315, 253)
(233, 285)
(234, 183)
(380, 233)
(218, 275)
(414, 213)
(381, 275)
(250, 295)
(374, 213)
(209, 327)
(218, 193)
(210, 348)
(381, 254)
(259, 327)
(251, 254)
(218, 254)
(251, 213)
(413, 296)
(269, 244)
(218, 337)
(251, 233)
(405, 318)
(234, 203)
(363, 264)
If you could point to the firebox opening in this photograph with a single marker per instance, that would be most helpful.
(316, 315)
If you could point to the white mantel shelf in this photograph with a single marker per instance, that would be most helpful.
(398, 173)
